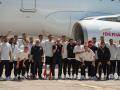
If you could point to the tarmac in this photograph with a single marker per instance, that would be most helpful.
(60, 85)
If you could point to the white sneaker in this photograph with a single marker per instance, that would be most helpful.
(93, 78)
(118, 77)
(23, 77)
(82, 77)
(7, 78)
(90, 78)
(64, 76)
(76, 77)
(15, 78)
(1, 78)
(72, 77)
(111, 76)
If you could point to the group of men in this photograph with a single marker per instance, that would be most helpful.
(28, 57)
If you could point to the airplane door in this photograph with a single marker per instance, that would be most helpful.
(28, 5)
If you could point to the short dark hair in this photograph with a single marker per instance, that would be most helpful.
(70, 39)
(110, 39)
(40, 35)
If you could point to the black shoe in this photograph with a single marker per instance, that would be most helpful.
(59, 77)
(34, 78)
(99, 78)
(40, 78)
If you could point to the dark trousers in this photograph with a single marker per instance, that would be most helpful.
(32, 67)
(21, 69)
(96, 67)
(112, 66)
(15, 68)
(118, 67)
(75, 66)
(67, 65)
(29, 66)
(105, 67)
(78, 66)
(91, 69)
(37, 68)
(64, 64)
(57, 61)
(11, 66)
(49, 61)
(6, 64)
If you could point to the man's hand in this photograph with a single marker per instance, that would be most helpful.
(83, 63)
(108, 62)
(11, 61)
(93, 63)
(24, 65)
(99, 63)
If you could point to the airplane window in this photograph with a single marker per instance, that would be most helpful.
(88, 18)
(27, 6)
(113, 19)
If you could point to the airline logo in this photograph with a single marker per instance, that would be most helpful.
(111, 34)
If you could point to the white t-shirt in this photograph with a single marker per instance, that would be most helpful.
(48, 48)
(5, 49)
(88, 56)
(78, 49)
(30, 46)
(118, 52)
(113, 51)
(42, 44)
(15, 51)
(64, 54)
(98, 43)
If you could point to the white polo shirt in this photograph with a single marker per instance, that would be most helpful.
(64, 54)
(48, 48)
(78, 49)
(88, 56)
(113, 51)
(5, 49)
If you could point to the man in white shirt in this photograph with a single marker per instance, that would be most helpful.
(78, 49)
(12, 64)
(5, 57)
(113, 50)
(118, 60)
(29, 64)
(64, 55)
(102, 40)
(49, 53)
(88, 61)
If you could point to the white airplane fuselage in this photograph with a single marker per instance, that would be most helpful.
(55, 17)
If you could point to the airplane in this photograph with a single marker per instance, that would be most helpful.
(77, 19)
